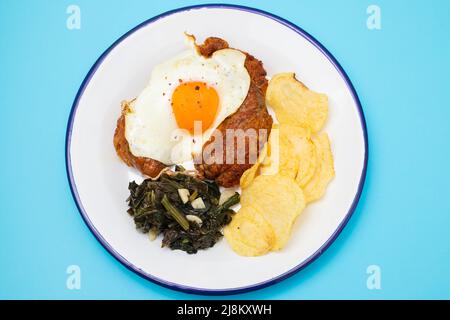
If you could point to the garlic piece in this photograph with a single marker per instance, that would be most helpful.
(198, 203)
(184, 195)
(195, 219)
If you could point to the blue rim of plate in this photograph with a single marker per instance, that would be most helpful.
(204, 291)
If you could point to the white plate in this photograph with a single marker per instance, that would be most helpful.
(99, 180)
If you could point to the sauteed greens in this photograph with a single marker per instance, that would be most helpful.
(187, 211)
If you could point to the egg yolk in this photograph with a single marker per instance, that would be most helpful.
(194, 101)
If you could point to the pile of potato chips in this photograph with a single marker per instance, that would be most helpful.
(293, 170)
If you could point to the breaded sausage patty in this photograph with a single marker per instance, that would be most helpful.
(252, 114)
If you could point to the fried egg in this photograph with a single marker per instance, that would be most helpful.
(186, 98)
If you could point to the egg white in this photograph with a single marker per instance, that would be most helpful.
(150, 126)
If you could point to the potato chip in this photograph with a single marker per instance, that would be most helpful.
(294, 131)
(295, 104)
(279, 200)
(307, 161)
(287, 146)
(248, 175)
(324, 173)
(249, 234)
(281, 158)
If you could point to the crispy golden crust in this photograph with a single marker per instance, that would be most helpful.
(251, 114)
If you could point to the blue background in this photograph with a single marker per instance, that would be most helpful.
(401, 73)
